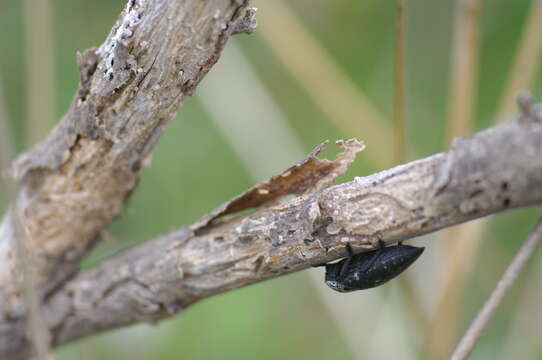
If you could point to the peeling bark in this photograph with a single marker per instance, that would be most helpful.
(76, 181)
(310, 174)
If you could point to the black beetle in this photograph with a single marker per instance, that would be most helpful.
(370, 269)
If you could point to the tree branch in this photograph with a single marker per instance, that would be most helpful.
(76, 181)
(492, 171)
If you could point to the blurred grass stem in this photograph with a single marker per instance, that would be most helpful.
(464, 68)
(37, 332)
(461, 242)
(6, 145)
(328, 86)
(39, 70)
(399, 106)
(516, 344)
(471, 337)
(400, 141)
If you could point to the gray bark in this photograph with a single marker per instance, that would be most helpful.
(494, 170)
(76, 181)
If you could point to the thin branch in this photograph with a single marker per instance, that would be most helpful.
(158, 279)
(516, 344)
(474, 332)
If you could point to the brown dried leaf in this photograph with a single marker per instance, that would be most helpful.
(309, 174)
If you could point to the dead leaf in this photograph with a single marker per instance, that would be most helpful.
(310, 174)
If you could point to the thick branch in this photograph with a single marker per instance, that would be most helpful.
(76, 181)
(492, 171)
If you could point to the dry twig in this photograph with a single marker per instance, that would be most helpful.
(474, 332)
(73, 183)
(76, 181)
(476, 178)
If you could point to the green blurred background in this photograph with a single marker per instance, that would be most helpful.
(202, 161)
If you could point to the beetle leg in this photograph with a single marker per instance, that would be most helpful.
(349, 249)
(346, 263)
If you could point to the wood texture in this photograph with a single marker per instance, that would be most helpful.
(494, 170)
(75, 182)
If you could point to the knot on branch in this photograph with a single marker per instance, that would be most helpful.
(247, 23)
(529, 112)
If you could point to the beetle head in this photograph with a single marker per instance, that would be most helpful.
(332, 277)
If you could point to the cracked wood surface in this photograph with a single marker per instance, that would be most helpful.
(494, 170)
(76, 181)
